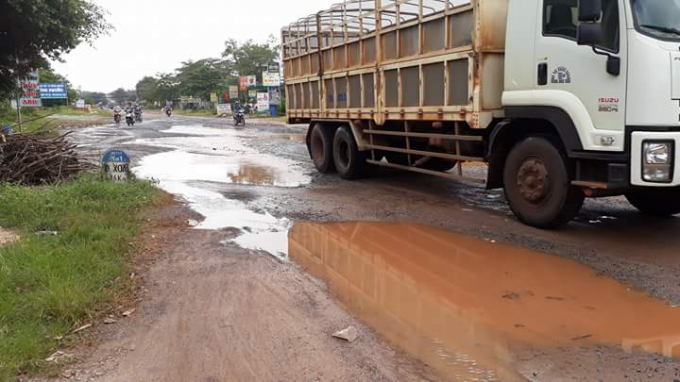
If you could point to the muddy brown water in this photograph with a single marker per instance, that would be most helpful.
(465, 306)
(252, 174)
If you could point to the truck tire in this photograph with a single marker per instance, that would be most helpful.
(656, 201)
(537, 184)
(349, 161)
(321, 148)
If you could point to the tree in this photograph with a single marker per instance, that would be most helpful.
(203, 77)
(122, 96)
(251, 58)
(33, 31)
(94, 98)
(147, 89)
(163, 87)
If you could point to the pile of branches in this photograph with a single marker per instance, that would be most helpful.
(38, 158)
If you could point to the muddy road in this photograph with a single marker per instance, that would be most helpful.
(438, 277)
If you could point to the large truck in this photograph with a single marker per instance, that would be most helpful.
(562, 99)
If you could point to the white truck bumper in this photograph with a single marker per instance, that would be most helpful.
(638, 162)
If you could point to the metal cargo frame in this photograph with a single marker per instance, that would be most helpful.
(397, 60)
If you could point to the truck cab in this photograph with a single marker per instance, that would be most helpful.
(606, 73)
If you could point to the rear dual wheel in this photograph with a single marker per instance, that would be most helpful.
(321, 148)
(334, 149)
(349, 161)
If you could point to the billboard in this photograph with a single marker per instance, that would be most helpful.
(243, 83)
(233, 92)
(271, 79)
(262, 102)
(252, 81)
(30, 88)
(273, 67)
(53, 91)
(275, 97)
(223, 108)
(252, 93)
(213, 97)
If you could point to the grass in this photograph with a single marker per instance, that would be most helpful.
(51, 284)
(32, 119)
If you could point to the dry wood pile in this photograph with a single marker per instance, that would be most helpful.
(38, 158)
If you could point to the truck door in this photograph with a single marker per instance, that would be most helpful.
(572, 70)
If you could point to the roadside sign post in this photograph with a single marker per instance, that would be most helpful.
(21, 123)
(116, 165)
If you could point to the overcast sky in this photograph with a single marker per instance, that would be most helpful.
(154, 36)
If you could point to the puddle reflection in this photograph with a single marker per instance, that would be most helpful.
(465, 306)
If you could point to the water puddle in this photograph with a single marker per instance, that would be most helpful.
(200, 156)
(216, 155)
(465, 306)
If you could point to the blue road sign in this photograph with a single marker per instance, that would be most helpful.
(116, 156)
(53, 91)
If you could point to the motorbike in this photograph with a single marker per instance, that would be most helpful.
(168, 112)
(239, 118)
(130, 118)
(117, 117)
(138, 115)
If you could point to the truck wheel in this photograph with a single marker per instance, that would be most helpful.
(537, 185)
(321, 148)
(656, 201)
(349, 161)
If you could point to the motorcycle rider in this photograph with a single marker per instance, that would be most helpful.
(138, 112)
(117, 112)
(129, 114)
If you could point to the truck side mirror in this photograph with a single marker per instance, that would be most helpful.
(589, 10)
(589, 34)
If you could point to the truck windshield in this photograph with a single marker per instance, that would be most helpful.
(658, 18)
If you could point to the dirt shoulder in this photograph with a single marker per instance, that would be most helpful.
(208, 311)
(7, 237)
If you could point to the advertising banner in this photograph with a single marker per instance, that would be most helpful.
(252, 81)
(233, 92)
(30, 88)
(275, 97)
(271, 79)
(273, 67)
(213, 97)
(252, 93)
(53, 91)
(243, 83)
(262, 102)
(223, 108)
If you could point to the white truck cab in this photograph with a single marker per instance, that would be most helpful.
(622, 93)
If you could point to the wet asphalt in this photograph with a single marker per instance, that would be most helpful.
(261, 179)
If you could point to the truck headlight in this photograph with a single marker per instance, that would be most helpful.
(657, 166)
